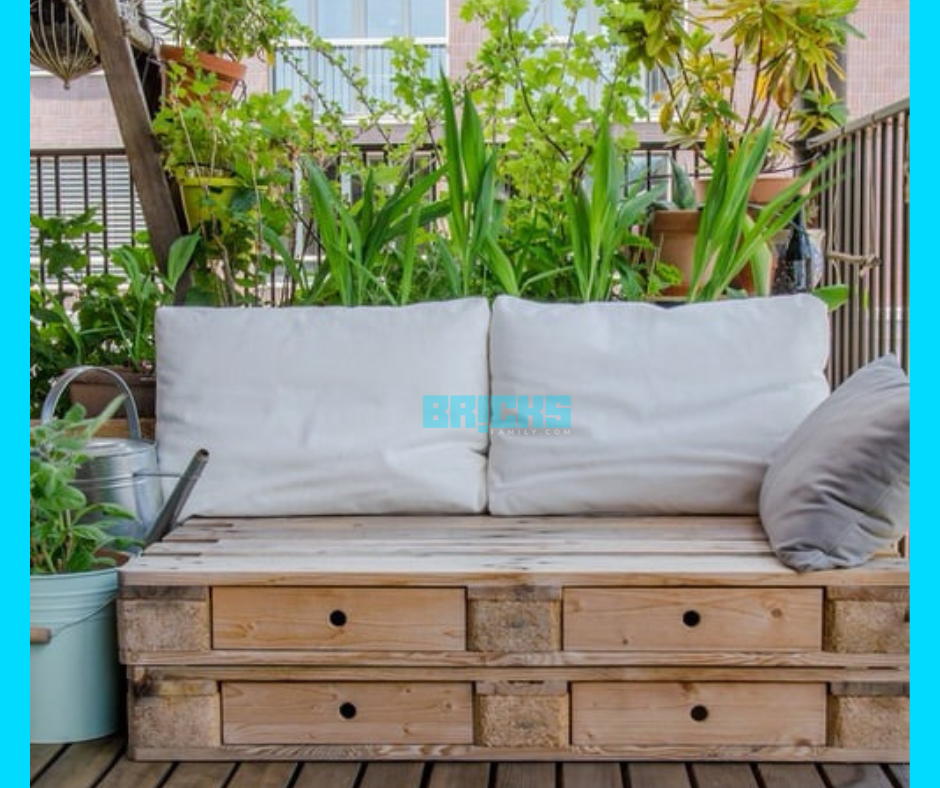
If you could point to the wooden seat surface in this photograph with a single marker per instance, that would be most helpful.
(430, 550)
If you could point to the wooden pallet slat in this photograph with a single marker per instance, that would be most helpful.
(82, 765)
(263, 775)
(856, 775)
(724, 775)
(40, 756)
(901, 773)
(658, 775)
(460, 775)
(136, 774)
(393, 775)
(332, 774)
(591, 775)
(525, 775)
(790, 775)
(200, 775)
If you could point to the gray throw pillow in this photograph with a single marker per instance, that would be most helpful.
(838, 490)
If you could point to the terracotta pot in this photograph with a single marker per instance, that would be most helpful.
(765, 188)
(95, 391)
(673, 234)
(228, 72)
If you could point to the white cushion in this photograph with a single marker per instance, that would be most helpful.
(673, 410)
(319, 410)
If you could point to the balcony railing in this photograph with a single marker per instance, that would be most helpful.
(866, 218)
(298, 67)
(865, 215)
(69, 182)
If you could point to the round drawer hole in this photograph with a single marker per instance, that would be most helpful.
(691, 618)
(347, 711)
(699, 713)
(338, 618)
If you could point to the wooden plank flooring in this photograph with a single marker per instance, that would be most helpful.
(102, 764)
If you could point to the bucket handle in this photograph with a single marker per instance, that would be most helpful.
(130, 407)
(41, 636)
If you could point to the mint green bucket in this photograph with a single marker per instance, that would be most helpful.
(74, 683)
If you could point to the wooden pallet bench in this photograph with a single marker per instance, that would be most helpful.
(481, 638)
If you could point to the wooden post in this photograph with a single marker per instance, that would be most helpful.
(130, 106)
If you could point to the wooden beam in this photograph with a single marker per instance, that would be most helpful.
(143, 151)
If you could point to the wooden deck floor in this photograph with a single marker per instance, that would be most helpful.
(101, 764)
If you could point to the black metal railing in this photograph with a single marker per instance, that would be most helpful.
(866, 217)
(67, 182)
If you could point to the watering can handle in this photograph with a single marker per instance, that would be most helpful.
(130, 407)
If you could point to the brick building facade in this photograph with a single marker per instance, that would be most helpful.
(878, 68)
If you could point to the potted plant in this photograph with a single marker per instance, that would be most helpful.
(733, 237)
(234, 163)
(733, 67)
(673, 226)
(95, 318)
(74, 676)
(217, 35)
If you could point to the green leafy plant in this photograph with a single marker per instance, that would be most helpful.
(477, 207)
(729, 238)
(67, 533)
(82, 317)
(256, 146)
(732, 67)
(56, 341)
(369, 249)
(532, 83)
(238, 29)
(682, 193)
(542, 91)
(115, 311)
(602, 219)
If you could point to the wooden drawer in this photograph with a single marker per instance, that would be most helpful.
(346, 713)
(669, 619)
(356, 619)
(688, 713)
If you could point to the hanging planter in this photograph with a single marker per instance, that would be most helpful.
(203, 195)
(61, 39)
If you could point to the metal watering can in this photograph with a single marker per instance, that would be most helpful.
(124, 471)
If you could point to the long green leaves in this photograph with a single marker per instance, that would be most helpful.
(601, 218)
(476, 208)
(729, 238)
(357, 242)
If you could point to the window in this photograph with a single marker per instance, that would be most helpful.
(359, 31)
(555, 15)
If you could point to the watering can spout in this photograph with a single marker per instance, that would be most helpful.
(169, 514)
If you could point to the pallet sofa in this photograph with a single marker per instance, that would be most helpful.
(523, 531)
